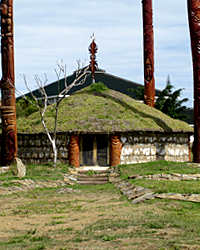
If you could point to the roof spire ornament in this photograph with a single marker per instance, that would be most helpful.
(93, 63)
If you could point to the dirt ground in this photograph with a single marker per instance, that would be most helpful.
(86, 220)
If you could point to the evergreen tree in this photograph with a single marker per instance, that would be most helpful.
(168, 101)
(166, 92)
(138, 93)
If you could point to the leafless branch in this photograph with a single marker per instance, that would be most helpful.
(79, 80)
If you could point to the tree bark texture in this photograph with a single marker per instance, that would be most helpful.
(74, 151)
(7, 84)
(149, 82)
(115, 150)
(194, 25)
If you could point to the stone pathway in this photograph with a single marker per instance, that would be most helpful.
(28, 184)
(139, 194)
(135, 194)
(181, 197)
(168, 177)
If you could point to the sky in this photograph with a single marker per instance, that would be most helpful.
(49, 31)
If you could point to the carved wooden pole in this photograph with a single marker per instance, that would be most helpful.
(194, 25)
(8, 108)
(149, 82)
(74, 151)
(115, 150)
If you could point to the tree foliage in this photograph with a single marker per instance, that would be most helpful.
(168, 101)
(138, 93)
(24, 107)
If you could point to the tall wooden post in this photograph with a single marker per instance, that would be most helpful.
(7, 84)
(149, 82)
(74, 151)
(194, 25)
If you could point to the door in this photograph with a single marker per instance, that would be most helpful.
(102, 150)
(88, 150)
(95, 150)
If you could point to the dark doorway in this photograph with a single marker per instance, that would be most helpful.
(88, 150)
(102, 150)
(95, 150)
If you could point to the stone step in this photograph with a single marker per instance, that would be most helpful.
(135, 194)
(84, 171)
(143, 198)
(99, 177)
(93, 176)
(92, 182)
(88, 178)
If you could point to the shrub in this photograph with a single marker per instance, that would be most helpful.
(98, 87)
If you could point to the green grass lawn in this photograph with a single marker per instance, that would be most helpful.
(99, 217)
(157, 167)
(37, 172)
(161, 186)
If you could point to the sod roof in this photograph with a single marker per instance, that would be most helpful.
(92, 110)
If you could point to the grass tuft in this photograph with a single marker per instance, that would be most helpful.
(98, 87)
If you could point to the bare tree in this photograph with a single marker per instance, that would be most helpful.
(79, 80)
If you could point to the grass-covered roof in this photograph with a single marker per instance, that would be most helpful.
(97, 109)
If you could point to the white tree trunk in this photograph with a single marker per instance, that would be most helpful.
(80, 79)
(55, 152)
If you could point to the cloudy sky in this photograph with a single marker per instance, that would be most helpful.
(48, 31)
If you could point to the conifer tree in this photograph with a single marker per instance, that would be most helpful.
(138, 93)
(168, 102)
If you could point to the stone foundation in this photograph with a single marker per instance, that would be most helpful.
(36, 148)
(137, 147)
(145, 147)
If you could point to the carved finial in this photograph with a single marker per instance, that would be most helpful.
(93, 63)
(93, 37)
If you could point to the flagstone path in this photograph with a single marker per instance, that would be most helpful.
(135, 194)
